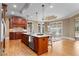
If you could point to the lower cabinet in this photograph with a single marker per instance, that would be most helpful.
(40, 45)
(11, 35)
(15, 35)
(25, 39)
(18, 35)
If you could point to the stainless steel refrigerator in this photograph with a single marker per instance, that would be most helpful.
(2, 36)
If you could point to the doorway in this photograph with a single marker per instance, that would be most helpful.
(56, 30)
(77, 29)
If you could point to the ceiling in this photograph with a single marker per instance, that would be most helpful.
(29, 9)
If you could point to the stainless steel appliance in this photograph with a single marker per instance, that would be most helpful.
(2, 35)
(31, 42)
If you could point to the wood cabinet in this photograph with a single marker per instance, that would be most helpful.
(40, 45)
(37, 44)
(18, 22)
(18, 35)
(11, 35)
(15, 35)
(25, 39)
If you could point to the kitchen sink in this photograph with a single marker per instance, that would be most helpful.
(40, 34)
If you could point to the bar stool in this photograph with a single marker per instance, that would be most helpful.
(50, 40)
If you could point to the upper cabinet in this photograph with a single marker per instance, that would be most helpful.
(18, 22)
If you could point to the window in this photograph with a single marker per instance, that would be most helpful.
(77, 28)
(41, 28)
(56, 29)
(30, 27)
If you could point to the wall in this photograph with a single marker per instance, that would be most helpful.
(46, 27)
(72, 28)
(7, 28)
(35, 26)
(66, 28)
(0, 26)
(69, 28)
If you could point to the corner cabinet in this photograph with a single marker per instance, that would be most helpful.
(40, 44)
(25, 39)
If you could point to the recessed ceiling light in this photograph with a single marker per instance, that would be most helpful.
(14, 6)
(1, 9)
(12, 12)
(51, 6)
(31, 16)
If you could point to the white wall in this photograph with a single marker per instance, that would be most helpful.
(35, 26)
(0, 22)
(72, 28)
(7, 28)
(69, 28)
(0, 26)
(66, 28)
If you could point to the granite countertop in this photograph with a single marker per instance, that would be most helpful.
(36, 35)
(17, 30)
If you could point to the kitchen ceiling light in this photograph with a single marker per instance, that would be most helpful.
(12, 12)
(14, 6)
(43, 11)
(51, 6)
(1, 9)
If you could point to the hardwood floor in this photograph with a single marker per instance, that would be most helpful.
(59, 48)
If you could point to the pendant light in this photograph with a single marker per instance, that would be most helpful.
(43, 11)
(36, 15)
(42, 23)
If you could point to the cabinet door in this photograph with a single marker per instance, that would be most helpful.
(25, 39)
(12, 35)
(45, 43)
(18, 35)
(40, 45)
(35, 44)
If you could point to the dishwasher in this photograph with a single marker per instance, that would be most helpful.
(31, 42)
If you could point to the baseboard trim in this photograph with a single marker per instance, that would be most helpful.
(70, 38)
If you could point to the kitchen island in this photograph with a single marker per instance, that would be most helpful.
(38, 43)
